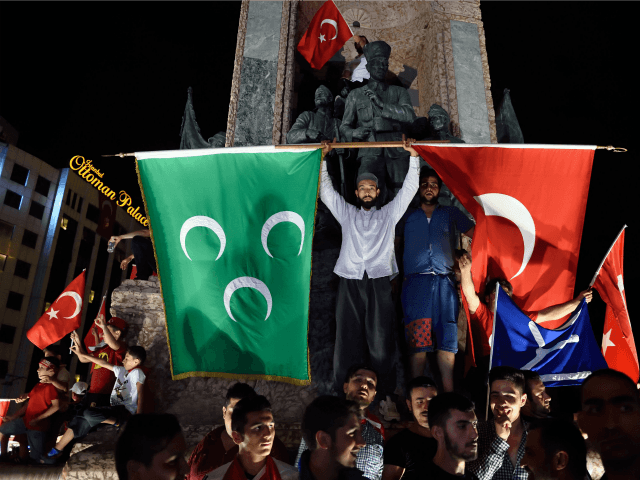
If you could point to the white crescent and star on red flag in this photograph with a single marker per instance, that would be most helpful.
(331, 22)
(77, 301)
(505, 206)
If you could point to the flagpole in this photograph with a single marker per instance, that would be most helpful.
(593, 280)
(399, 144)
(493, 344)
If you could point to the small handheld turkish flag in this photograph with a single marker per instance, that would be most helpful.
(618, 345)
(326, 34)
(62, 317)
(90, 341)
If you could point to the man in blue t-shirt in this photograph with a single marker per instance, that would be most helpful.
(429, 297)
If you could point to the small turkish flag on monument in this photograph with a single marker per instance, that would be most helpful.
(326, 34)
(62, 317)
(618, 345)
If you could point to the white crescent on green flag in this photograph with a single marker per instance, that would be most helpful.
(232, 230)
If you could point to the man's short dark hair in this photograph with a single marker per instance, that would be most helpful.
(441, 405)
(529, 376)
(136, 351)
(144, 436)
(491, 286)
(430, 172)
(54, 361)
(509, 374)
(238, 390)
(327, 414)
(611, 373)
(254, 403)
(359, 366)
(557, 435)
(419, 382)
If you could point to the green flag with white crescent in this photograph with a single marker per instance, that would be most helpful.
(232, 230)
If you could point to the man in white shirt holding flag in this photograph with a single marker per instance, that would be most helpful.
(365, 313)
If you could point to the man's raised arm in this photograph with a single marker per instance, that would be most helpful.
(466, 281)
(332, 199)
(410, 185)
(558, 311)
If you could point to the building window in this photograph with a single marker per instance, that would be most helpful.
(6, 234)
(4, 368)
(42, 186)
(29, 239)
(19, 174)
(88, 236)
(14, 301)
(13, 199)
(79, 209)
(69, 193)
(93, 213)
(36, 210)
(7, 334)
(22, 269)
(73, 202)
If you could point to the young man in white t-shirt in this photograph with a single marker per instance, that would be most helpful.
(126, 397)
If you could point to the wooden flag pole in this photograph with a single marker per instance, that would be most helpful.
(398, 144)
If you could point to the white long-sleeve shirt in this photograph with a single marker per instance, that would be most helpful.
(368, 235)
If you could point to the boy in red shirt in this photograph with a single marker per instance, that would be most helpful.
(33, 417)
(113, 352)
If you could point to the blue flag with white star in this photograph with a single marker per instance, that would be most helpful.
(562, 357)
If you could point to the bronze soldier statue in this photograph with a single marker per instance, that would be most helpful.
(379, 112)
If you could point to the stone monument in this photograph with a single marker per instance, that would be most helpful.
(442, 41)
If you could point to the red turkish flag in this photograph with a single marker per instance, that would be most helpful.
(618, 345)
(62, 317)
(326, 34)
(90, 339)
(529, 204)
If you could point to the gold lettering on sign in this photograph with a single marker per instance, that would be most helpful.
(84, 167)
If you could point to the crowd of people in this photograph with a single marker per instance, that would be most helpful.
(342, 439)
(115, 392)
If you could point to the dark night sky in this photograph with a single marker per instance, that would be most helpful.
(98, 78)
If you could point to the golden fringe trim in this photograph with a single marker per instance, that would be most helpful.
(242, 376)
(153, 242)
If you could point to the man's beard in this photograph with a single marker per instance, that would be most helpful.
(367, 203)
(540, 411)
(362, 402)
(359, 49)
(456, 452)
(433, 201)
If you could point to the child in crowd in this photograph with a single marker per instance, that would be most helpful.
(32, 419)
(112, 351)
(126, 397)
(75, 406)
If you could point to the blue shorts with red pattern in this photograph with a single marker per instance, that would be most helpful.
(430, 304)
